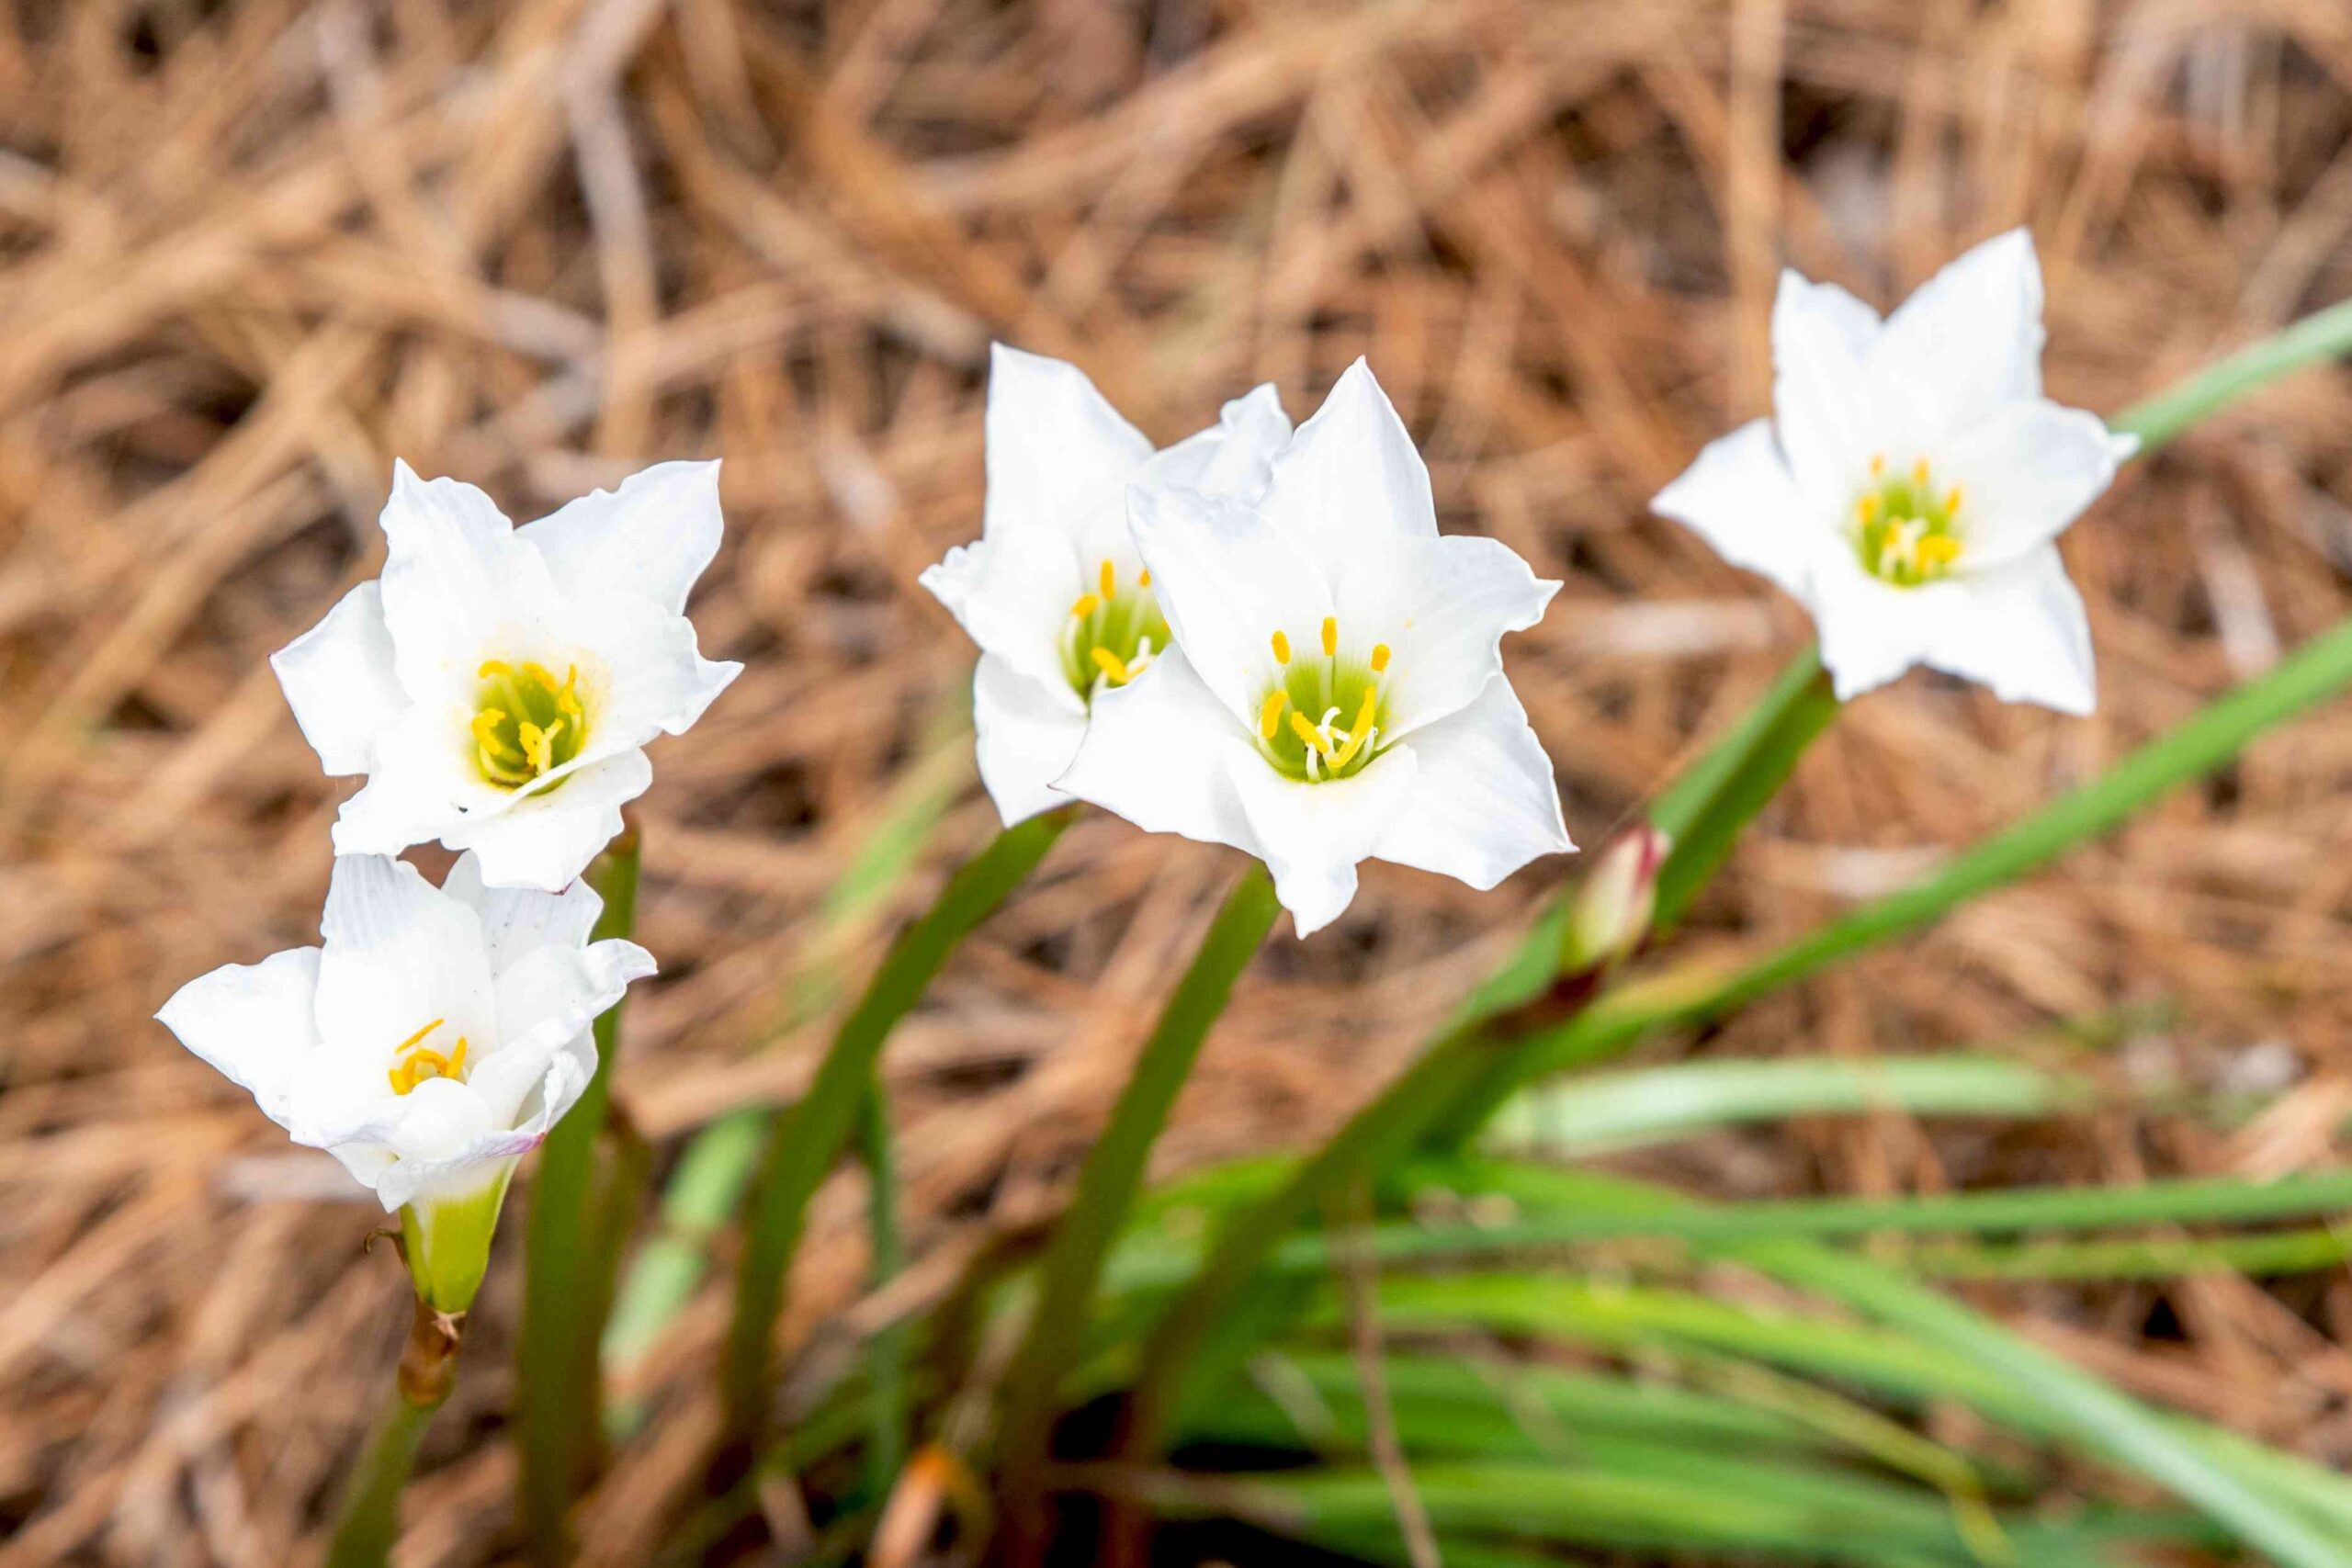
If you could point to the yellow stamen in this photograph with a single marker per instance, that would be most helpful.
(539, 744)
(1952, 501)
(418, 1062)
(1143, 577)
(1359, 734)
(1878, 465)
(1379, 658)
(566, 700)
(1939, 549)
(491, 668)
(1282, 648)
(1331, 636)
(1110, 580)
(1866, 507)
(419, 1035)
(1087, 604)
(1920, 472)
(1110, 663)
(1309, 734)
(1270, 718)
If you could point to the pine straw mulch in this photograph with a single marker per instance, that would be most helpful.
(249, 253)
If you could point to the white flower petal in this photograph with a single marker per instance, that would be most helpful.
(1828, 411)
(1232, 456)
(545, 1000)
(340, 681)
(253, 1022)
(1012, 595)
(2030, 468)
(1459, 597)
(1056, 449)
(456, 578)
(1484, 802)
(1159, 753)
(1027, 736)
(516, 921)
(1350, 476)
(1312, 835)
(423, 777)
(400, 954)
(656, 680)
(1970, 339)
(2021, 632)
(546, 839)
(1739, 497)
(1227, 579)
(1870, 631)
(653, 536)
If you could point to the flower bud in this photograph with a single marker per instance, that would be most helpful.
(1611, 916)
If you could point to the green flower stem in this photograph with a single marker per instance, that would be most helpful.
(1106, 1190)
(2322, 335)
(1704, 810)
(368, 1520)
(811, 1135)
(568, 1254)
(2317, 670)
(886, 1353)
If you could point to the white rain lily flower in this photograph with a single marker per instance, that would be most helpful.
(1054, 592)
(431, 1041)
(498, 684)
(1336, 690)
(1912, 481)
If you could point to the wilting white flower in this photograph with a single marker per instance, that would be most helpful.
(1912, 481)
(1336, 690)
(498, 684)
(1054, 592)
(431, 1041)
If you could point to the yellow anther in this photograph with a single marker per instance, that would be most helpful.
(1920, 472)
(539, 744)
(1270, 716)
(1143, 577)
(1939, 549)
(1866, 507)
(1951, 501)
(1087, 604)
(1360, 733)
(1282, 648)
(1110, 663)
(418, 1062)
(1309, 734)
(1379, 658)
(1878, 465)
(1331, 636)
(493, 668)
(533, 670)
(1109, 578)
(418, 1037)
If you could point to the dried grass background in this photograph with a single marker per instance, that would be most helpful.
(250, 251)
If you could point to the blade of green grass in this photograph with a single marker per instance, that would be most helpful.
(886, 1352)
(567, 1253)
(808, 1137)
(1107, 1184)
(2322, 335)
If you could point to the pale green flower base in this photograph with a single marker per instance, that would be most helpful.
(448, 1245)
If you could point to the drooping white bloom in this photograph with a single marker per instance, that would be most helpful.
(498, 684)
(1054, 592)
(1336, 690)
(430, 1041)
(1912, 481)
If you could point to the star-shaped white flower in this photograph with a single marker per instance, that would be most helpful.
(1054, 592)
(498, 684)
(432, 1040)
(1912, 481)
(1336, 690)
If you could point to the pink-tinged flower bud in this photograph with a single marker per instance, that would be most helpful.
(1612, 914)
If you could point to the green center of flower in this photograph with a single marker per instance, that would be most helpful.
(1906, 528)
(527, 722)
(1321, 717)
(1113, 633)
(413, 1061)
